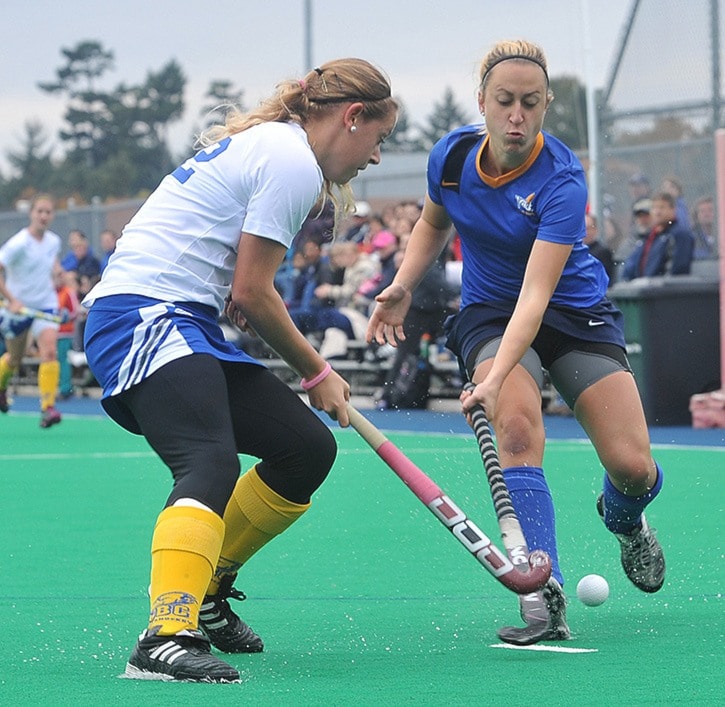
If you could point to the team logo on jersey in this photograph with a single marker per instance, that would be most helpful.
(524, 204)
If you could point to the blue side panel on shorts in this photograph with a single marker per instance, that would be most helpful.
(127, 338)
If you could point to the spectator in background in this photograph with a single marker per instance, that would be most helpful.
(108, 240)
(357, 232)
(68, 302)
(376, 225)
(81, 270)
(667, 250)
(640, 188)
(318, 225)
(704, 229)
(337, 319)
(384, 247)
(641, 227)
(311, 270)
(642, 217)
(672, 186)
(81, 266)
(356, 267)
(596, 247)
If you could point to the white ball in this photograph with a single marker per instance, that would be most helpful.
(592, 590)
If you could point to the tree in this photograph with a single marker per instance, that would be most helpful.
(31, 165)
(220, 96)
(123, 131)
(446, 116)
(401, 140)
(32, 162)
(85, 64)
(566, 117)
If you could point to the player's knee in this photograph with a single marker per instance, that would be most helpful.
(517, 433)
(633, 474)
(320, 456)
(208, 478)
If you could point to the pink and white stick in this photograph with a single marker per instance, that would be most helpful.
(451, 516)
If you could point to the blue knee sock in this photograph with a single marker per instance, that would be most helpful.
(621, 512)
(535, 508)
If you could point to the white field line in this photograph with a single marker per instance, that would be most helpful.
(77, 455)
(547, 649)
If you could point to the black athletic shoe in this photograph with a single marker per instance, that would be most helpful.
(642, 558)
(544, 613)
(186, 657)
(4, 402)
(225, 629)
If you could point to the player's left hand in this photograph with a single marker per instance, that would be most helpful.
(386, 321)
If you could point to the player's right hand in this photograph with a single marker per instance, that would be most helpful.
(332, 395)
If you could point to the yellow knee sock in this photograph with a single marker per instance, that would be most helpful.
(48, 378)
(184, 552)
(6, 371)
(254, 515)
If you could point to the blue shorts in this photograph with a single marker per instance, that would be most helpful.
(129, 337)
(563, 329)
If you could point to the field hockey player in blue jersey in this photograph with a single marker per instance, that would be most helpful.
(208, 241)
(533, 299)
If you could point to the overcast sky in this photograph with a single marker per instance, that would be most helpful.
(423, 45)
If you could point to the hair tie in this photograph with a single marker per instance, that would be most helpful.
(318, 70)
(303, 85)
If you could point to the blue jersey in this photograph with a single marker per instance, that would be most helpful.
(499, 219)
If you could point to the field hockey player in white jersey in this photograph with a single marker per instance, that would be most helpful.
(28, 262)
(533, 298)
(209, 241)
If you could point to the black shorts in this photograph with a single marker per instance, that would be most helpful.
(577, 347)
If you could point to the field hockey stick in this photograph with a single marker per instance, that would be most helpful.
(35, 314)
(508, 522)
(451, 516)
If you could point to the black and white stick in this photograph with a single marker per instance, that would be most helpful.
(508, 522)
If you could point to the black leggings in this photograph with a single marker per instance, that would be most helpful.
(199, 413)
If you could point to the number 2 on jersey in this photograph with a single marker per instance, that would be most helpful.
(183, 173)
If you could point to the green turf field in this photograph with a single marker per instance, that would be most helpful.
(367, 600)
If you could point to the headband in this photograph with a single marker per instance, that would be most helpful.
(344, 99)
(516, 56)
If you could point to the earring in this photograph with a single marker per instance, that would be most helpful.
(353, 128)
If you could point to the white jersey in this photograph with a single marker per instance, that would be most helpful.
(181, 246)
(28, 264)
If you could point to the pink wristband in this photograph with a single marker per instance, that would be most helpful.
(309, 384)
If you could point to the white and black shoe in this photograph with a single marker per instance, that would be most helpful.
(185, 657)
(226, 631)
(544, 613)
